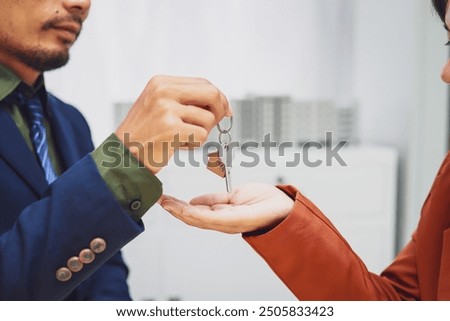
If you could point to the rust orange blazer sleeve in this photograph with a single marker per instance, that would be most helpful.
(312, 258)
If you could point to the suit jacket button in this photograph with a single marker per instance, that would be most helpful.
(74, 264)
(98, 245)
(63, 274)
(86, 256)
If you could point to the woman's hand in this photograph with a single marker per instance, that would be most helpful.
(247, 208)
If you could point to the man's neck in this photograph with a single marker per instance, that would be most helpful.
(25, 73)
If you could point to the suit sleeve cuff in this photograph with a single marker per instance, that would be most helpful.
(133, 185)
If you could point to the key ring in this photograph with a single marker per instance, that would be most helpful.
(228, 138)
(225, 131)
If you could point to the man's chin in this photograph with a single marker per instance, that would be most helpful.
(44, 60)
(50, 62)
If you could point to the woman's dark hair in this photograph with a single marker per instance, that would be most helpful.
(440, 6)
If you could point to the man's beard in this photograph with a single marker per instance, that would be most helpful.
(39, 59)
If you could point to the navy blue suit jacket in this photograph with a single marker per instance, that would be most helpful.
(42, 226)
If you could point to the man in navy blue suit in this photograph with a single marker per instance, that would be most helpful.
(61, 238)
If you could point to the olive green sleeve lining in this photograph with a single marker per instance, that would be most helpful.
(135, 187)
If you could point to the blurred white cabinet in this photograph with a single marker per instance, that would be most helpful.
(171, 260)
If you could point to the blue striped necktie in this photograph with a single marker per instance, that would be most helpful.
(38, 133)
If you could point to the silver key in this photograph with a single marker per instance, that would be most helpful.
(221, 164)
(227, 169)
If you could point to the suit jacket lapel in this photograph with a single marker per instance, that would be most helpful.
(14, 150)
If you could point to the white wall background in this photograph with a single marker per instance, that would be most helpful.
(384, 54)
(253, 46)
(399, 53)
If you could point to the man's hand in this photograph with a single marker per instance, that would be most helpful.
(247, 208)
(171, 113)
